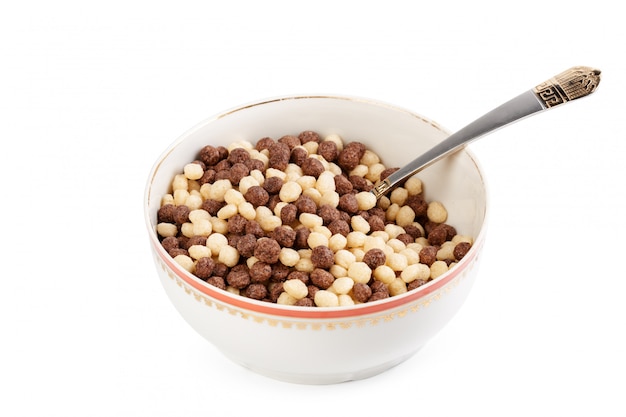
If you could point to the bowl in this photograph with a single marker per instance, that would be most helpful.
(313, 345)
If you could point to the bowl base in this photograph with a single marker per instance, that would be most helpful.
(324, 379)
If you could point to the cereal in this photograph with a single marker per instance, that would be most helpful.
(292, 221)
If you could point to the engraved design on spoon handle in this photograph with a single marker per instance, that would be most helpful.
(569, 85)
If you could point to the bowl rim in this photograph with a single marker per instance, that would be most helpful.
(297, 312)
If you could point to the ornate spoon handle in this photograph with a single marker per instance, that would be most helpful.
(569, 85)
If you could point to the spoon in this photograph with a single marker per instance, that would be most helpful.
(569, 85)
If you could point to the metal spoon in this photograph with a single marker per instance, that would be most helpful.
(569, 85)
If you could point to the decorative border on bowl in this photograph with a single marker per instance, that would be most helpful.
(314, 324)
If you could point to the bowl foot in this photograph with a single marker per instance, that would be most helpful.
(324, 379)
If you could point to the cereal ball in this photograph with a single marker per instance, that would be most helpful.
(285, 236)
(342, 185)
(339, 227)
(279, 156)
(181, 214)
(204, 268)
(228, 255)
(322, 278)
(359, 183)
(298, 156)
(361, 292)
(217, 281)
(296, 288)
(290, 192)
(170, 243)
(312, 167)
(437, 236)
(305, 204)
(322, 257)
(305, 302)
(237, 224)
(387, 172)
(209, 155)
(246, 245)
(238, 278)
(260, 272)
(325, 298)
(348, 203)
(309, 136)
(461, 249)
(290, 140)
(374, 258)
(264, 143)
(360, 272)
(436, 212)
(328, 150)
(255, 291)
(273, 185)
(267, 250)
(288, 213)
(237, 172)
(257, 196)
(428, 255)
(328, 213)
(165, 214)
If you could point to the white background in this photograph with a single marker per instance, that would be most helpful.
(92, 93)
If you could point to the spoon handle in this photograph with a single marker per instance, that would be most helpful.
(569, 85)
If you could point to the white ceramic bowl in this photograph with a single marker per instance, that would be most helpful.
(326, 345)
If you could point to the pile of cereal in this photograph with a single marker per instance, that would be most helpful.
(292, 221)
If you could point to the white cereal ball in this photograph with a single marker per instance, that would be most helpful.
(180, 182)
(413, 185)
(462, 238)
(342, 285)
(356, 239)
(295, 288)
(396, 244)
(285, 299)
(337, 242)
(167, 229)
(311, 147)
(369, 158)
(258, 176)
(336, 139)
(344, 258)
(325, 182)
(311, 220)
(198, 215)
(384, 202)
(199, 251)
(316, 239)
(307, 181)
(339, 271)
(325, 298)
(384, 274)
(218, 190)
(246, 209)
(202, 228)
(345, 300)
(411, 256)
(415, 271)
(373, 242)
(405, 216)
(290, 191)
(380, 234)
(233, 290)
(228, 211)
(438, 268)
(278, 208)
(373, 174)
(205, 190)
(365, 200)
(358, 253)
(233, 196)
(167, 199)
(193, 201)
(187, 229)
(270, 223)
(359, 224)
(219, 225)
(446, 251)
(289, 257)
(397, 287)
(334, 168)
(360, 272)
(393, 230)
(216, 242)
(193, 171)
(313, 194)
(244, 184)
(392, 212)
(330, 198)
(185, 261)
(396, 261)
(305, 253)
(194, 186)
(436, 212)
(399, 196)
(180, 196)
(304, 265)
(229, 256)
(359, 170)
